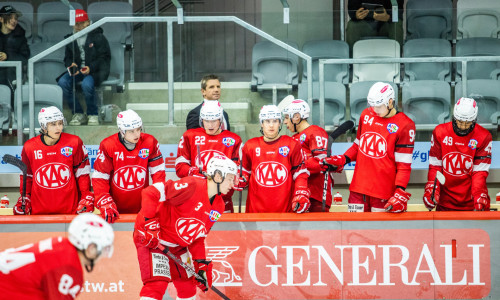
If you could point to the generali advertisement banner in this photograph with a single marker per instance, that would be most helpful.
(285, 263)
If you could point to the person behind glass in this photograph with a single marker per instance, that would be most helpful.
(210, 89)
(373, 18)
(13, 45)
(88, 61)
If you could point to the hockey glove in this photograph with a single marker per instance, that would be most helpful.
(336, 163)
(482, 202)
(315, 166)
(398, 202)
(86, 204)
(108, 209)
(195, 171)
(18, 210)
(300, 201)
(428, 194)
(204, 269)
(242, 183)
(149, 234)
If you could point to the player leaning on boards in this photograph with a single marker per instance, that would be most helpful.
(198, 145)
(53, 268)
(57, 169)
(314, 142)
(461, 149)
(122, 168)
(383, 153)
(273, 168)
(179, 215)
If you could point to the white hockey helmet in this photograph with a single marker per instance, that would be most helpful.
(297, 106)
(222, 165)
(465, 110)
(211, 110)
(87, 229)
(128, 120)
(269, 112)
(49, 114)
(379, 94)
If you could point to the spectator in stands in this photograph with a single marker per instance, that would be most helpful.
(210, 89)
(13, 45)
(88, 61)
(373, 18)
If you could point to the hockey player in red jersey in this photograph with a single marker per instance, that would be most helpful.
(58, 169)
(274, 169)
(53, 268)
(383, 153)
(207, 141)
(461, 150)
(314, 141)
(123, 165)
(179, 215)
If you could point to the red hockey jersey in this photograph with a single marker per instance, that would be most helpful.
(272, 169)
(56, 174)
(314, 142)
(184, 212)
(123, 174)
(49, 269)
(464, 161)
(383, 153)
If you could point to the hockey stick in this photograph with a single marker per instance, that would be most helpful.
(191, 271)
(241, 192)
(343, 128)
(198, 159)
(439, 177)
(24, 169)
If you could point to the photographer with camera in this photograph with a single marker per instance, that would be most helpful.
(373, 18)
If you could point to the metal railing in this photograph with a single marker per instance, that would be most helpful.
(464, 60)
(170, 53)
(19, 99)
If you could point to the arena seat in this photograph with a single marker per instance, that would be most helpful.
(357, 97)
(115, 32)
(5, 108)
(486, 92)
(478, 18)
(320, 49)
(335, 101)
(427, 48)
(51, 66)
(53, 21)
(429, 19)
(376, 48)
(479, 47)
(45, 95)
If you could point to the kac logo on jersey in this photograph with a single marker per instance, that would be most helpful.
(392, 128)
(457, 164)
(270, 174)
(144, 153)
(53, 175)
(473, 144)
(67, 151)
(189, 229)
(284, 151)
(302, 138)
(214, 215)
(129, 178)
(373, 145)
(228, 142)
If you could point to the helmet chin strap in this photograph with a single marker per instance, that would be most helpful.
(295, 125)
(91, 262)
(462, 132)
(130, 146)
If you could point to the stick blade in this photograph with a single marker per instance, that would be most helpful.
(440, 177)
(343, 128)
(10, 159)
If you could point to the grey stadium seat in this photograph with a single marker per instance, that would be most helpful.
(114, 32)
(273, 65)
(51, 66)
(26, 21)
(116, 77)
(376, 48)
(357, 97)
(429, 19)
(478, 18)
(487, 95)
(335, 101)
(45, 95)
(53, 21)
(327, 49)
(479, 47)
(5, 108)
(427, 102)
(427, 48)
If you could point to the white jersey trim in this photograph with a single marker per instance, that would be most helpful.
(403, 157)
(182, 159)
(100, 175)
(356, 141)
(321, 156)
(158, 168)
(160, 186)
(82, 171)
(481, 167)
(300, 172)
(433, 161)
(168, 244)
